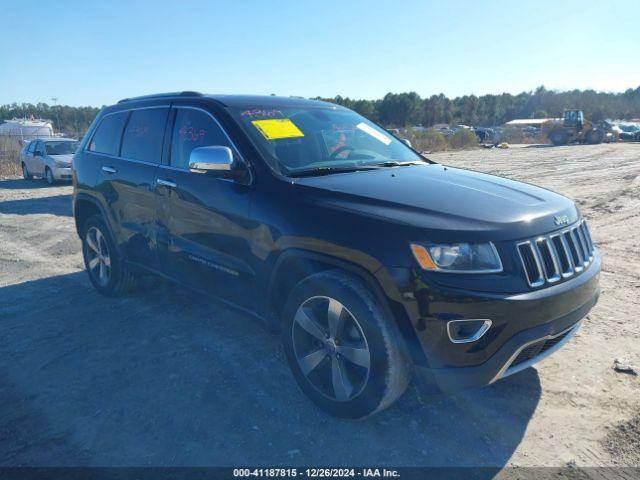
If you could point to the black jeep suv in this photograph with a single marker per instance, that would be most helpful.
(373, 262)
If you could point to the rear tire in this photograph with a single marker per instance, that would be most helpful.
(345, 353)
(48, 176)
(25, 172)
(104, 265)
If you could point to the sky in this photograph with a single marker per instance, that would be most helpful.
(95, 53)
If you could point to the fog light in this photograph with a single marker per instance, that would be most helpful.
(466, 331)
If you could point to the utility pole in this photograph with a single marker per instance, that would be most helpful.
(54, 100)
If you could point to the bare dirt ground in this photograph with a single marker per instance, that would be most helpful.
(163, 377)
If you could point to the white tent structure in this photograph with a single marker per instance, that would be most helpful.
(25, 130)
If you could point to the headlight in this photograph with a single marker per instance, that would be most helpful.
(61, 164)
(458, 257)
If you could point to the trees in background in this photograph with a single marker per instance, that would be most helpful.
(401, 109)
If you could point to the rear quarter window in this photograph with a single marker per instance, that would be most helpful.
(108, 134)
(143, 135)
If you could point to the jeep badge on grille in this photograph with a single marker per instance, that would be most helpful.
(561, 219)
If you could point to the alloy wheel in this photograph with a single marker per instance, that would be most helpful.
(49, 176)
(330, 348)
(98, 258)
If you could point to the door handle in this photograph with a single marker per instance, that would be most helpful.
(166, 183)
(109, 169)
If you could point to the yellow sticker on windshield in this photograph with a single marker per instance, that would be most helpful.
(276, 128)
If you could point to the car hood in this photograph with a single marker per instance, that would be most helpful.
(449, 202)
(63, 158)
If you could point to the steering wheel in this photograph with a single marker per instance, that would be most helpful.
(339, 150)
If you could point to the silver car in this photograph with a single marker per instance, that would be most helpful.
(48, 159)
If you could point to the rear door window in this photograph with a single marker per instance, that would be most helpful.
(108, 135)
(143, 135)
(193, 129)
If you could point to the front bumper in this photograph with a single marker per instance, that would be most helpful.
(62, 173)
(525, 327)
(506, 361)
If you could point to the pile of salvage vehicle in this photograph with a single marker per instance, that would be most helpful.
(571, 128)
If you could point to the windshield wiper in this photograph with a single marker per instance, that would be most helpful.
(396, 163)
(318, 171)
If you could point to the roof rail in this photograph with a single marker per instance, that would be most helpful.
(186, 93)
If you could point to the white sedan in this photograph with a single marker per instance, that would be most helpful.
(48, 159)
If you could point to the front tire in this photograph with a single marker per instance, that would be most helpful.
(344, 351)
(48, 176)
(105, 267)
(25, 172)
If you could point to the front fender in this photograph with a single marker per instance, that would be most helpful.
(376, 278)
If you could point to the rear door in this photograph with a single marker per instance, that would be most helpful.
(203, 238)
(127, 179)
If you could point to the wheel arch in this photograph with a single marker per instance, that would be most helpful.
(294, 265)
(84, 206)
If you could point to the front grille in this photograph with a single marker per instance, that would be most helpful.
(550, 258)
(538, 348)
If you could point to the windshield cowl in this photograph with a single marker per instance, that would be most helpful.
(327, 170)
(312, 172)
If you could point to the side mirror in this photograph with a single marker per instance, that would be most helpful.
(211, 159)
(406, 142)
(37, 153)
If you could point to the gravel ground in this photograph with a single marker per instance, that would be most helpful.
(164, 377)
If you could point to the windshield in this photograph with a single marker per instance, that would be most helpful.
(299, 139)
(61, 148)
